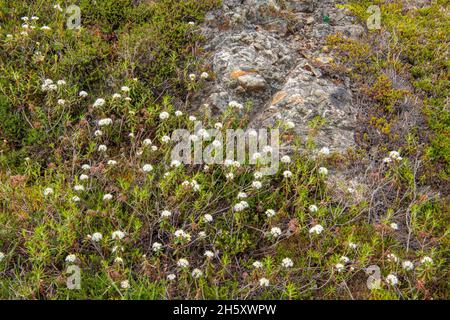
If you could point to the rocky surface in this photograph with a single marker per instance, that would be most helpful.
(271, 52)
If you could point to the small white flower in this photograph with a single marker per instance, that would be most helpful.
(125, 284)
(45, 28)
(194, 138)
(242, 195)
(392, 280)
(257, 265)
(48, 191)
(61, 82)
(192, 77)
(112, 162)
(252, 133)
(99, 102)
(166, 214)
(394, 155)
(116, 96)
(71, 258)
(78, 187)
(270, 213)
(209, 254)
(387, 160)
(84, 176)
(125, 89)
(118, 260)
(275, 231)
(147, 168)
(98, 133)
(97, 236)
(392, 257)
(285, 159)
(83, 94)
(407, 265)
(147, 142)
(241, 206)
(202, 234)
(165, 139)
(218, 125)
(257, 184)
(61, 102)
(164, 115)
(102, 148)
(118, 235)
(24, 18)
(228, 163)
(426, 260)
(256, 156)
(175, 164)
(267, 149)
(178, 113)
(313, 208)
(317, 229)
(263, 282)
(339, 267)
(352, 245)
(197, 273)
(235, 104)
(394, 226)
(156, 246)
(85, 167)
(183, 263)
(344, 259)
(290, 124)
(208, 218)
(258, 175)
(154, 148)
(287, 174)
(324, 151)
(2, 256)
(192, 118)
(107, 197)
(229, 176)
(204, 75)
(323, 171)
(180, 234)
(287, 263)
(105, 122)
(75, 199)
(171, 277)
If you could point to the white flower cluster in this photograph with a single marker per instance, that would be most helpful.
(317, 229)
(393, 156)
(241, 206)
(181, 234)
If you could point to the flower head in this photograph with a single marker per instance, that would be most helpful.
(118, 235)
(317, 229)
(287, 263)
(392, 280)
(275, 231)
(71, 258)
(96, 237)
(183, 263)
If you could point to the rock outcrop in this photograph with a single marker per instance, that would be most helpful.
(271, 52)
